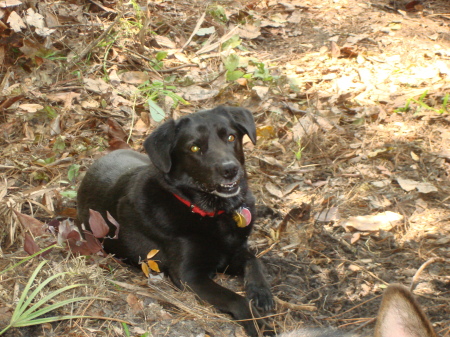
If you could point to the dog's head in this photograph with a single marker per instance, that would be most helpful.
(204, 150)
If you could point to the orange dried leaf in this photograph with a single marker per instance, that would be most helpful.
(152, 253)
(154, 266)
(145, 269)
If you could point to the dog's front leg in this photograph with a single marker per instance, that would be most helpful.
(227, 301)
(256, 286)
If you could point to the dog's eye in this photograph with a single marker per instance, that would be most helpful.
(231, 138)
(195, 148)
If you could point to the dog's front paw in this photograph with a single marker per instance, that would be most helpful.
(261, 296)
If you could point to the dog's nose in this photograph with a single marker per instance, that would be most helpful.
(229, 170)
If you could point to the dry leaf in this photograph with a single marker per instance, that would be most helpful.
(29, 245)
(328, 215)
(134, 77)
(145, 269)
(274, 190)
(9, 3)
(134, 303)
(15, 22)
(35, 227)
(197, 93)
(422, 187)
(385, 221)
(152, 253)
(260, 91)
(153, 266)
(98, 225)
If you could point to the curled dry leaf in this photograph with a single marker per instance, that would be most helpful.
(98, 225)
(328, 215)
(36, 227)
(422, 187)
(370, 223)
(29, 245)
(115, 223)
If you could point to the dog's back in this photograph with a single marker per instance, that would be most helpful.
(399, 316)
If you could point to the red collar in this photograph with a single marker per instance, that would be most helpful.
(196, 209)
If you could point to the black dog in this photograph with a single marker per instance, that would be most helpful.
(191, 202)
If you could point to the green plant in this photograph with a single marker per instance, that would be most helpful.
(156, 90)
(262, 72)
(299, 152)
(231, 64)
(26, 313)
(420, 102)
(127, 331)
(218, 13)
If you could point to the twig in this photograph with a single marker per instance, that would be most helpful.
(419, 271)
(94, 43)
(197, 27)
(299, 307)
(356, 306)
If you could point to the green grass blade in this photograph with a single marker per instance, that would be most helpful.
(27, 259)
(47, 298)
(48, 320)
(38, 289)
(20, 308)
(53, 307)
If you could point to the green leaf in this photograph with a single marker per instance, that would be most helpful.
(234, 75)
(232, 62)
(231, 43)
(73, 172)
(156, 112)
(161, 55)
(59, 144)
(69, 194)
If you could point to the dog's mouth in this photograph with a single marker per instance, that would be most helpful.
(227, 190)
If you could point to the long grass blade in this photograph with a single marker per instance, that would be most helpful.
(36, 291)
(20, 308)
(48, 320)
(48, 297)
(27, 259)
(53, 307)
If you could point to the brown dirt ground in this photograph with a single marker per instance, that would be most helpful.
(354, 149)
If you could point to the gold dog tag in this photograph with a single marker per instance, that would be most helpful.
(243, 217)
(240, 220)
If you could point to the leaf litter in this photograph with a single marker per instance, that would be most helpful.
(351, 170)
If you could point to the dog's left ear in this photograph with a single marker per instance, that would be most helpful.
(244, 119)
(159, 146)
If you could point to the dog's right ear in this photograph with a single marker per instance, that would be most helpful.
(400, 315)
(159, 146)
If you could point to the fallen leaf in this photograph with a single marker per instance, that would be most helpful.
(328, 215)
(134, 303)
(29, 245)
(115, 223)
(414, 156)
(145, 269)
(15, 22)
(31, 107)
(205, 31)
(422, 187)
(197, 93)
(98, 225)
(355, 238)
(153, 266)
(35, 227)
(134, 77)
(249, 31)
(152, 253)
(274, 190)
(260, 91)
(9, 3)
(385, 221)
